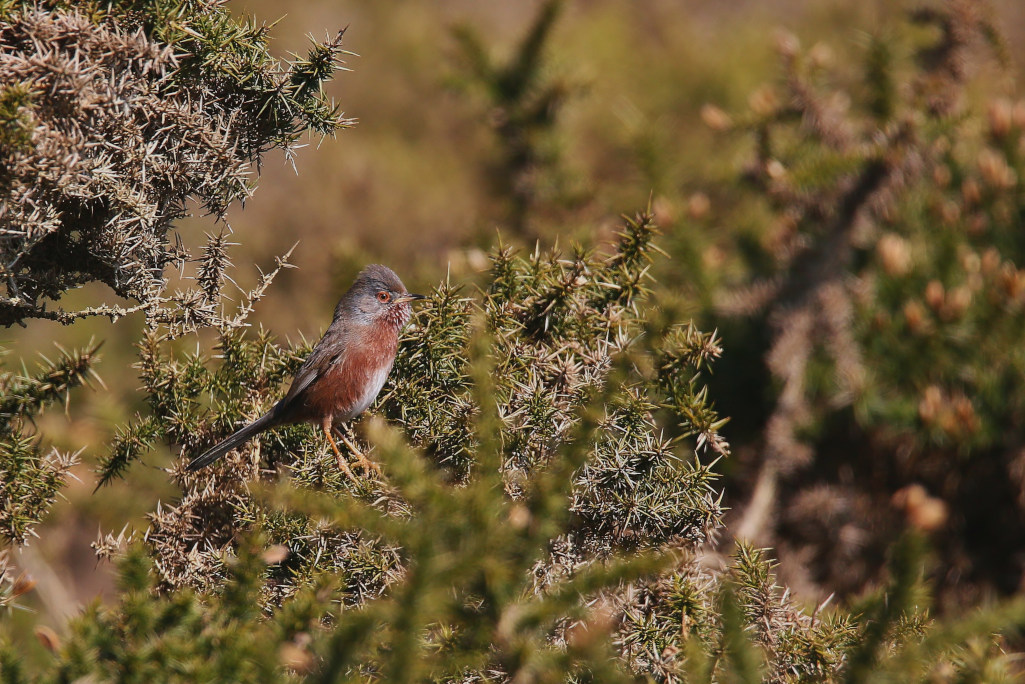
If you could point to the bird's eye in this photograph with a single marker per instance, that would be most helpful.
(384, 297)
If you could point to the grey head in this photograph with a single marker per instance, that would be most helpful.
(377, 295)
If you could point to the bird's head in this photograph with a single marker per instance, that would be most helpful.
(377, 296)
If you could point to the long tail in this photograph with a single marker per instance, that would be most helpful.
(267, 420)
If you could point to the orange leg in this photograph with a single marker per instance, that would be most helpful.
(367, 464)
(342, 465)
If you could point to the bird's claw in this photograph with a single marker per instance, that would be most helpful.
(342, 463)
(368, 465)
(344, 467)
(361, 458)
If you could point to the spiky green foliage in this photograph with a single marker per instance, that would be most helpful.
(900, 640)
(545, 461)
(96, 169)
(524, 102)
(556, 326)
(877, 299)
(562, 443)
(695, 624)
(15, 118)
(183, 637)
(31, 477)
(468, 607)
(540, 528)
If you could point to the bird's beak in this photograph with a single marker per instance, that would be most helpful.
(408, 297)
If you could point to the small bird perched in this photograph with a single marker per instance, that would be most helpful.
(345, 371)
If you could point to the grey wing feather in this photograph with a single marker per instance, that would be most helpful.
(319, 360)
(323, 355)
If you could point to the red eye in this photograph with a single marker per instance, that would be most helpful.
(383, 297)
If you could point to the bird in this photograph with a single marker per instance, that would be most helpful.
(344, 372)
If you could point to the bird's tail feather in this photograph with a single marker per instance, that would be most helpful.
(262, 423)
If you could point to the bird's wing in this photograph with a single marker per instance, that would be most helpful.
(320, 359)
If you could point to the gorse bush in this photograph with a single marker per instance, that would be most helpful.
(31, 477)
(555, 325)
(875, 295)
(95, 170)
(549, 505)
(542, 528)
(544, 461)
(524, 103)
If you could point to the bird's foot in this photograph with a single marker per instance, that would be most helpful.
(368, 465)
(361, 458)
(343, 465)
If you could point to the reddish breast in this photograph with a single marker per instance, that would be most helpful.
(352, 382)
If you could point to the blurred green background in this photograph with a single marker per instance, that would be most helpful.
(413, 184)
